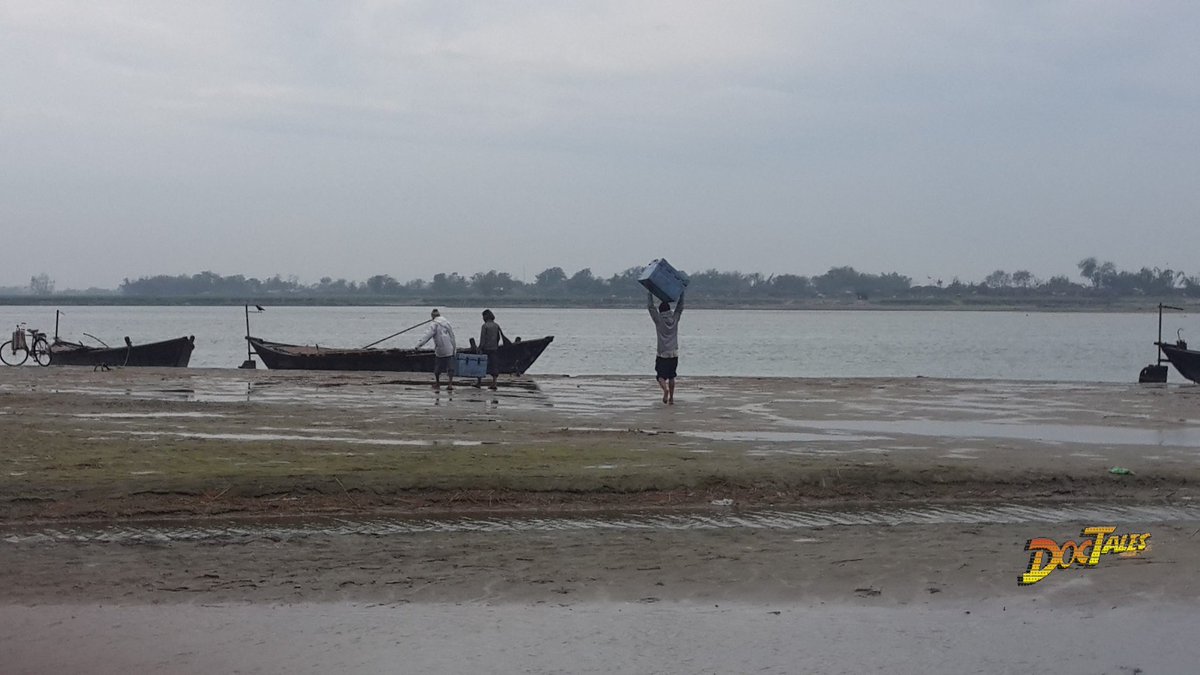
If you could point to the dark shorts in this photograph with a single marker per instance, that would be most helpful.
(443, 364)
(665, 368)
(493, 367)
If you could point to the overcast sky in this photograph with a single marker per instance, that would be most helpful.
(352, 138)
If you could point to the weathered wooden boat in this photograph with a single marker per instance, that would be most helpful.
(1156, 373)
(173, 353)
(1186, 361)
(514, 358)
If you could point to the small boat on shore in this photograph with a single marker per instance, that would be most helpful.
(514, 358)
(1186, 361)
(173, 353)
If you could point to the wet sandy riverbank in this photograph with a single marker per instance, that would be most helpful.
(83, 444)
(916, 598)
(223, 521)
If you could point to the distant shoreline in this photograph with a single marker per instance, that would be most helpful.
(976, 304)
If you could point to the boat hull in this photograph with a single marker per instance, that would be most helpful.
(1186, 361)
(514, 358)
(173, 353)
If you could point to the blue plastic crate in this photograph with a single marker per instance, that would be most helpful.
(664, 281)
(470, 365)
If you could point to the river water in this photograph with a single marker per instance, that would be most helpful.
(1074, 347)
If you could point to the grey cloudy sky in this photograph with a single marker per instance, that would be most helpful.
(354, 138)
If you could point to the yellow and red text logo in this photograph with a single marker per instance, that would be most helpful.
(1046, 555)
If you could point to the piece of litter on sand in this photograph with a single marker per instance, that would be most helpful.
(1120, 471)
(722, 502)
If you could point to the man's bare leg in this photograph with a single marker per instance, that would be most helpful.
(663, 385)
(450, 380)
(671, 387)
(437, 380)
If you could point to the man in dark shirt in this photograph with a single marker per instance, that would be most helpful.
(490, 337)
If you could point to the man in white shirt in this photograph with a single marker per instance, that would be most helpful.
(444, 348)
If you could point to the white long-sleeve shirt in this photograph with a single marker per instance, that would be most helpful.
(442, 335)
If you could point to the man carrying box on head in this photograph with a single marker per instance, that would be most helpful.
(666, 363)
(444, 348)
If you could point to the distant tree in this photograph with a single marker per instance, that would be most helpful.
(790, 285)
(277, 284)
(382, 284)
(448, 284)
(847, 280)
(492, 283)
(1157, 281)
(1059, 285)
(1022, 278)
(1101, 275)
(998, 279)
(41, 284)
(1087, 269)
(726, 284)
(550, 279)
(584, 282)
(837, 281)
(890, 284)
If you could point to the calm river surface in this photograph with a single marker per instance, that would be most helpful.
(1079, 347)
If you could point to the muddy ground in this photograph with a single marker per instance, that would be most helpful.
(136, 443)
(233, 495)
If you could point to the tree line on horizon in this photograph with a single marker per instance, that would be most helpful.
(1101, 280)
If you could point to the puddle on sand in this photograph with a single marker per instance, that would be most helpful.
(777, 436)
(825, 430)
(145, 415)
(364, 392)
(296, 437)
(275, 530)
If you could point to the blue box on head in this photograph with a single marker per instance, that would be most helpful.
(470, 365)
(664, 281)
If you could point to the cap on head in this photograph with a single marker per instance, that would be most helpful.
(435, 314)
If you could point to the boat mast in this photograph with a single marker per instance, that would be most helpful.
(249, 362)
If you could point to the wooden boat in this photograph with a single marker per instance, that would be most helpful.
(515, 357)
(166, 354)
(1186, 361)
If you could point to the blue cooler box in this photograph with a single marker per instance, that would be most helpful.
(470, 365)
(664, 281)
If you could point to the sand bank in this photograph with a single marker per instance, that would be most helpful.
(211, 442)
(224, 521)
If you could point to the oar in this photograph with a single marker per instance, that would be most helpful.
(395, 334)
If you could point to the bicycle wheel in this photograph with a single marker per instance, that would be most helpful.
(41, 352)
(11, 358)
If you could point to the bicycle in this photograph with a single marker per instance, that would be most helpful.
(17, 350)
